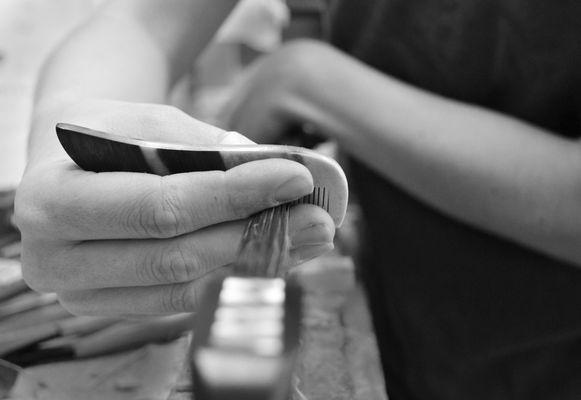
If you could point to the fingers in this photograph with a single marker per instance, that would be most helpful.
(80, 230)
(101, 264)
(79, 205)
(147, 300)
(185, 296)
(123, 263)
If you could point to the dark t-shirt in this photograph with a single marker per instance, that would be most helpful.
(461, 314)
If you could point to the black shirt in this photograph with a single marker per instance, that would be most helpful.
(461, 314)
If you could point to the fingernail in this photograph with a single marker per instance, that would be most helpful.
(313, 235)
(293, 189)
(306, 253)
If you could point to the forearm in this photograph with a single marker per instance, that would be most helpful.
(130, 50)
(483, 168)
(95, 64)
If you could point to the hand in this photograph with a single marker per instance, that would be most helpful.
(130, 243)
(273, 94)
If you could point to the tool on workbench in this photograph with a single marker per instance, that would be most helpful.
(106, 338)
(17, 339)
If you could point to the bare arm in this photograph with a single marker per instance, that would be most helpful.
(486, 169)
(129, 50)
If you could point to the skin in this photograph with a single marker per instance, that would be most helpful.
(132, 244)
(486, 169)
(506, 177)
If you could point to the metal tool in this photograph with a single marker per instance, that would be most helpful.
(98, 151)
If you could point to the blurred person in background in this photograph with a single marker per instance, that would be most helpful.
(462, 121)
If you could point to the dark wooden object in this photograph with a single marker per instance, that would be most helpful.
(105, 152)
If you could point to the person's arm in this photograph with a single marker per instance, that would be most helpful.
(486, 169)
(130, 50)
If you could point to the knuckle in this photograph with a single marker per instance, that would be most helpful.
(170, 265)
(178, 298)
(177, 266)
(236, 200)
(39, 209)
(158, 214)
(171, 207)
(29, 211)
(147, 269)
(163, 223)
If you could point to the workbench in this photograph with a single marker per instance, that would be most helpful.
(338, 357)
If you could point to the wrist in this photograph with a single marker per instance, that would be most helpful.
(301, 70)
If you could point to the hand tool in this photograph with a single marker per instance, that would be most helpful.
(121, 336)
(98, 151)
